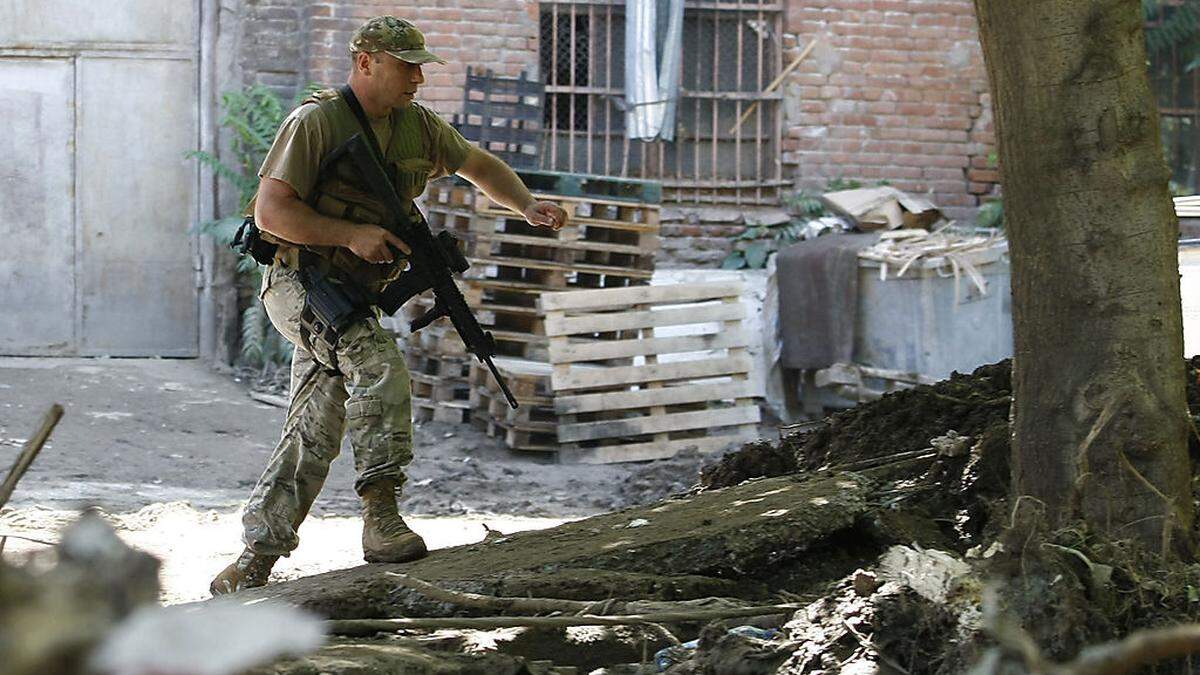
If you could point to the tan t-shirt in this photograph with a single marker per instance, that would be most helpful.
(305, 137)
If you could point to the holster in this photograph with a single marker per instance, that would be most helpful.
(332, 305)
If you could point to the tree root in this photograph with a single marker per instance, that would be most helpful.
(361, 627)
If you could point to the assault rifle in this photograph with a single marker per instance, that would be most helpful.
(432, 264)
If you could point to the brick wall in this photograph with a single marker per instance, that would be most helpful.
(497, 34)
(896, 90)
(271, 44)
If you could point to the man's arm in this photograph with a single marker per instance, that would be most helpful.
(499, 182)
(280, 211)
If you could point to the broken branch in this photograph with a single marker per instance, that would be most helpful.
(496, 603)
(29, 452)
(1139, 649)
(358, 627)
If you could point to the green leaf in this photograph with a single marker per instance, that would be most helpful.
(221, 229)
(991, 214)
(1192, 594)
(756, 255)
(736, 260)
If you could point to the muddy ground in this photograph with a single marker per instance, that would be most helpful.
(169, 449)
(882, 524)
(885, 530)
(144, 431)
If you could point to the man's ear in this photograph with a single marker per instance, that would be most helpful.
(363, 62)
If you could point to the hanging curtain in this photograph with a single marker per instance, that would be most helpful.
(653, 56)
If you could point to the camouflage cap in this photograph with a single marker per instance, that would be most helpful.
(397, 37)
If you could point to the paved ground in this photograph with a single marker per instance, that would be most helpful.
(169, 449)
(143, 431)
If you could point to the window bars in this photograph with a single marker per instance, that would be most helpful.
(731, 52)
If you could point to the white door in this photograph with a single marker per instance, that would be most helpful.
(99, 103)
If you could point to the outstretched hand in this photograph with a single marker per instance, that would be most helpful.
(546, 214)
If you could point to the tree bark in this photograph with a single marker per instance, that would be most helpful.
(1099, 426)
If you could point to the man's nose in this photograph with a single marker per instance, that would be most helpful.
(418, 76)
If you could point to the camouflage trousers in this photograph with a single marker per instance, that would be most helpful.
(370, 398)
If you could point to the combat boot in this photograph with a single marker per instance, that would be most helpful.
(386, 538)
(250, 570)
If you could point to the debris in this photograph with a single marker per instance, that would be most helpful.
(882, 207)
(866, 583)
(948, 250)
(665, 658)
(951, 445)
(270, 399)
(50, 620)
(181, 639)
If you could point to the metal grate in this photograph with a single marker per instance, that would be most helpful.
(731, 52)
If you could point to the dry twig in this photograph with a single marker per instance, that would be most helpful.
(356, 627)
(29, 453)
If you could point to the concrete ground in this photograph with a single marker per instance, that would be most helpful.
(169, 449)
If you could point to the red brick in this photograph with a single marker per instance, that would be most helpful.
(984, 175)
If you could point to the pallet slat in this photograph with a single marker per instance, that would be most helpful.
(653, 424)
(597, 350)
(644, 398)
(557, 324)
(680, 293)
(625, 375)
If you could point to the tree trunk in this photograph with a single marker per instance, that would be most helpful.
(1099, 410)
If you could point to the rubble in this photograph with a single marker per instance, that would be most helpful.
(877, 549)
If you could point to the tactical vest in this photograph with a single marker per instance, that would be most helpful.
(340, 193)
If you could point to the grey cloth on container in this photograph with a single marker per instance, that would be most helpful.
(818, 299)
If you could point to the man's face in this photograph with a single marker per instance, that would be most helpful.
(393, 81)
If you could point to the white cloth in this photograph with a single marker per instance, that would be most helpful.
(651, 77)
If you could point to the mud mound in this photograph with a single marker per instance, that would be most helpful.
(905, 421)
(755, 459)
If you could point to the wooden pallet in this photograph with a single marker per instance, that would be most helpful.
(532, 426)
(584, 187)
(682, 382)
(440, 374)
(452, 412)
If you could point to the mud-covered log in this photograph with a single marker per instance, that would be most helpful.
(744, 532)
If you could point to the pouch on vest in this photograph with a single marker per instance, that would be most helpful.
(249, 241)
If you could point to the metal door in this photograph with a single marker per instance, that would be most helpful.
(99, 102)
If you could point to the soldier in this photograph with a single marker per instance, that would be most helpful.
(362, 386)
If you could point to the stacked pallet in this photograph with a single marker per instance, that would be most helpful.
(610, 241)
(440, 368)
(644, 373)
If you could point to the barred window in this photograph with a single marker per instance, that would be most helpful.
(1173, 44)
(731, 52)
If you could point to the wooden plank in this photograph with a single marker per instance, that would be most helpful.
(528, 263)
(578, 378)
(635, 426)
(618, 297)
(586, 221)
(639, 452)
(572, 244)
(596, 350)
(557, 324)
(622, 400)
